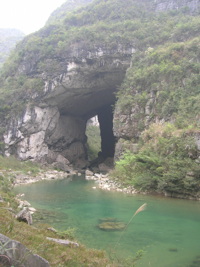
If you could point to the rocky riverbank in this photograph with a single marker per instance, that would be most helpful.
(19, 177)
(104, 182)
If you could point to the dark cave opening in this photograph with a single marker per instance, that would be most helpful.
(105, 118)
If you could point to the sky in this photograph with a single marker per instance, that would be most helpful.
(26, 15)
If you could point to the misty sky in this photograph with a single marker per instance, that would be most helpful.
(26, 15)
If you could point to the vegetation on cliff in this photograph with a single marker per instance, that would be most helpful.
(69, 6)
(169, 75)
(8, 40)
(167, 160)
(93, 141)
(160, 94)
(107, 24)
(162, 84)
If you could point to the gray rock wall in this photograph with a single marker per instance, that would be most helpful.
(42, 134)
(53, 129)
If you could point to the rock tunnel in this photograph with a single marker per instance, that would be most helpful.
(53, 129)
(95, 98)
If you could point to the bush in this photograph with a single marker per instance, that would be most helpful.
(166, 162)
(93, 141)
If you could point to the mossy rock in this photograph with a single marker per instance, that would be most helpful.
(111, 226)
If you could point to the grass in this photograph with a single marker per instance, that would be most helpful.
(35, 240)
(34, 236)
(93, 141)
(14, 164)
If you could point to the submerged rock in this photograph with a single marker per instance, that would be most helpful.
(111, 224)
(173, 249)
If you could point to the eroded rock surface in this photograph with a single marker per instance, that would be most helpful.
(53, 128)
(76, 83)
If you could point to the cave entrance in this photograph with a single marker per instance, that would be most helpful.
(99, 131)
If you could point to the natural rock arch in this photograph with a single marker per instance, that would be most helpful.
(52, 129)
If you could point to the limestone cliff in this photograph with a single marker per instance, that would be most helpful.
(53, 129)
(68, 72)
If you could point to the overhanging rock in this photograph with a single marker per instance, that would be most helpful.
(52, 125)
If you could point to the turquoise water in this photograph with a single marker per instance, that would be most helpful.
(168, 231)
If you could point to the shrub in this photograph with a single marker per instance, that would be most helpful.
(166, 162)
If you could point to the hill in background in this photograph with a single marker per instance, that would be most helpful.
(8, 40)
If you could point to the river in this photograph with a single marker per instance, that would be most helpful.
(168, 231)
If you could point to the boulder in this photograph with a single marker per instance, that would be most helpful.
(106, 165)
(16, 254)
(25, 216)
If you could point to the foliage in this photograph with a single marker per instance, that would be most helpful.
(14, 164)
(34, 238)
(166, 80)
(102, 24)
(165, 163)
(162, 83)
(8, 40)
(93, 141)
(67, 7)
(5, 184)
(15, 93)
(69, 233)
(9, 167)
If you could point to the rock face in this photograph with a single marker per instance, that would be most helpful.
(78, 83)
(17, 254)
(53, 130)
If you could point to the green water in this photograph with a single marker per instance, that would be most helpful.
(168, 231)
